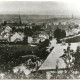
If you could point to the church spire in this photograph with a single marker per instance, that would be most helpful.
(20, 22)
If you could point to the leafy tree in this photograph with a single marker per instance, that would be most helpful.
(76, 26)
(41, 52)
(57, 34)
(28, 32)
(13, 29)
(44, 44)
(77, 58)
(69, 59)
(4, 24)
(63, 34)
(25, 40)
(36, 28)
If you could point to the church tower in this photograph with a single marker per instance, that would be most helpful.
(20, 22)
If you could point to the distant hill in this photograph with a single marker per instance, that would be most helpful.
(33, 16)
(36, 18)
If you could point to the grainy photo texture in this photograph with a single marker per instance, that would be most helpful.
(39, 40)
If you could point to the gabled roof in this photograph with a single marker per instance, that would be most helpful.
(16, 34)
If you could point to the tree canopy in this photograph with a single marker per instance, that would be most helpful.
(58, 34)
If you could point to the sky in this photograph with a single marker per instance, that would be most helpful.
(55, 7)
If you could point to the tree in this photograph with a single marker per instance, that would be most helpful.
(25, 40)
(28, 32)
(57, 34)
(13, 29)
(63, 34)
(42, 53)
(68, 58)
(76, 26)
(44, 44)
(4, 23)
(36, 28)
(77, 59)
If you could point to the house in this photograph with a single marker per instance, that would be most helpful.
(16, 37)
(73, 31)
(6, 30)
(63, 23)
(35, 40)
(3, 39)
(42, 36)
(21, 34)
(69, 32)
(55, 23)
(6, 35)
(30, 39)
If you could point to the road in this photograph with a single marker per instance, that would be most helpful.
(51, 61)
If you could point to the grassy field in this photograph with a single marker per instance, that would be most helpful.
(16, 48)
(10, 55)
(73, 39)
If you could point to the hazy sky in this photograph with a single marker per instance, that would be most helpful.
(40, 7)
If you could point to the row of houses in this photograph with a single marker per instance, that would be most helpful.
(73, 31)
(71, 28)
(40, 36)
(7, 35)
